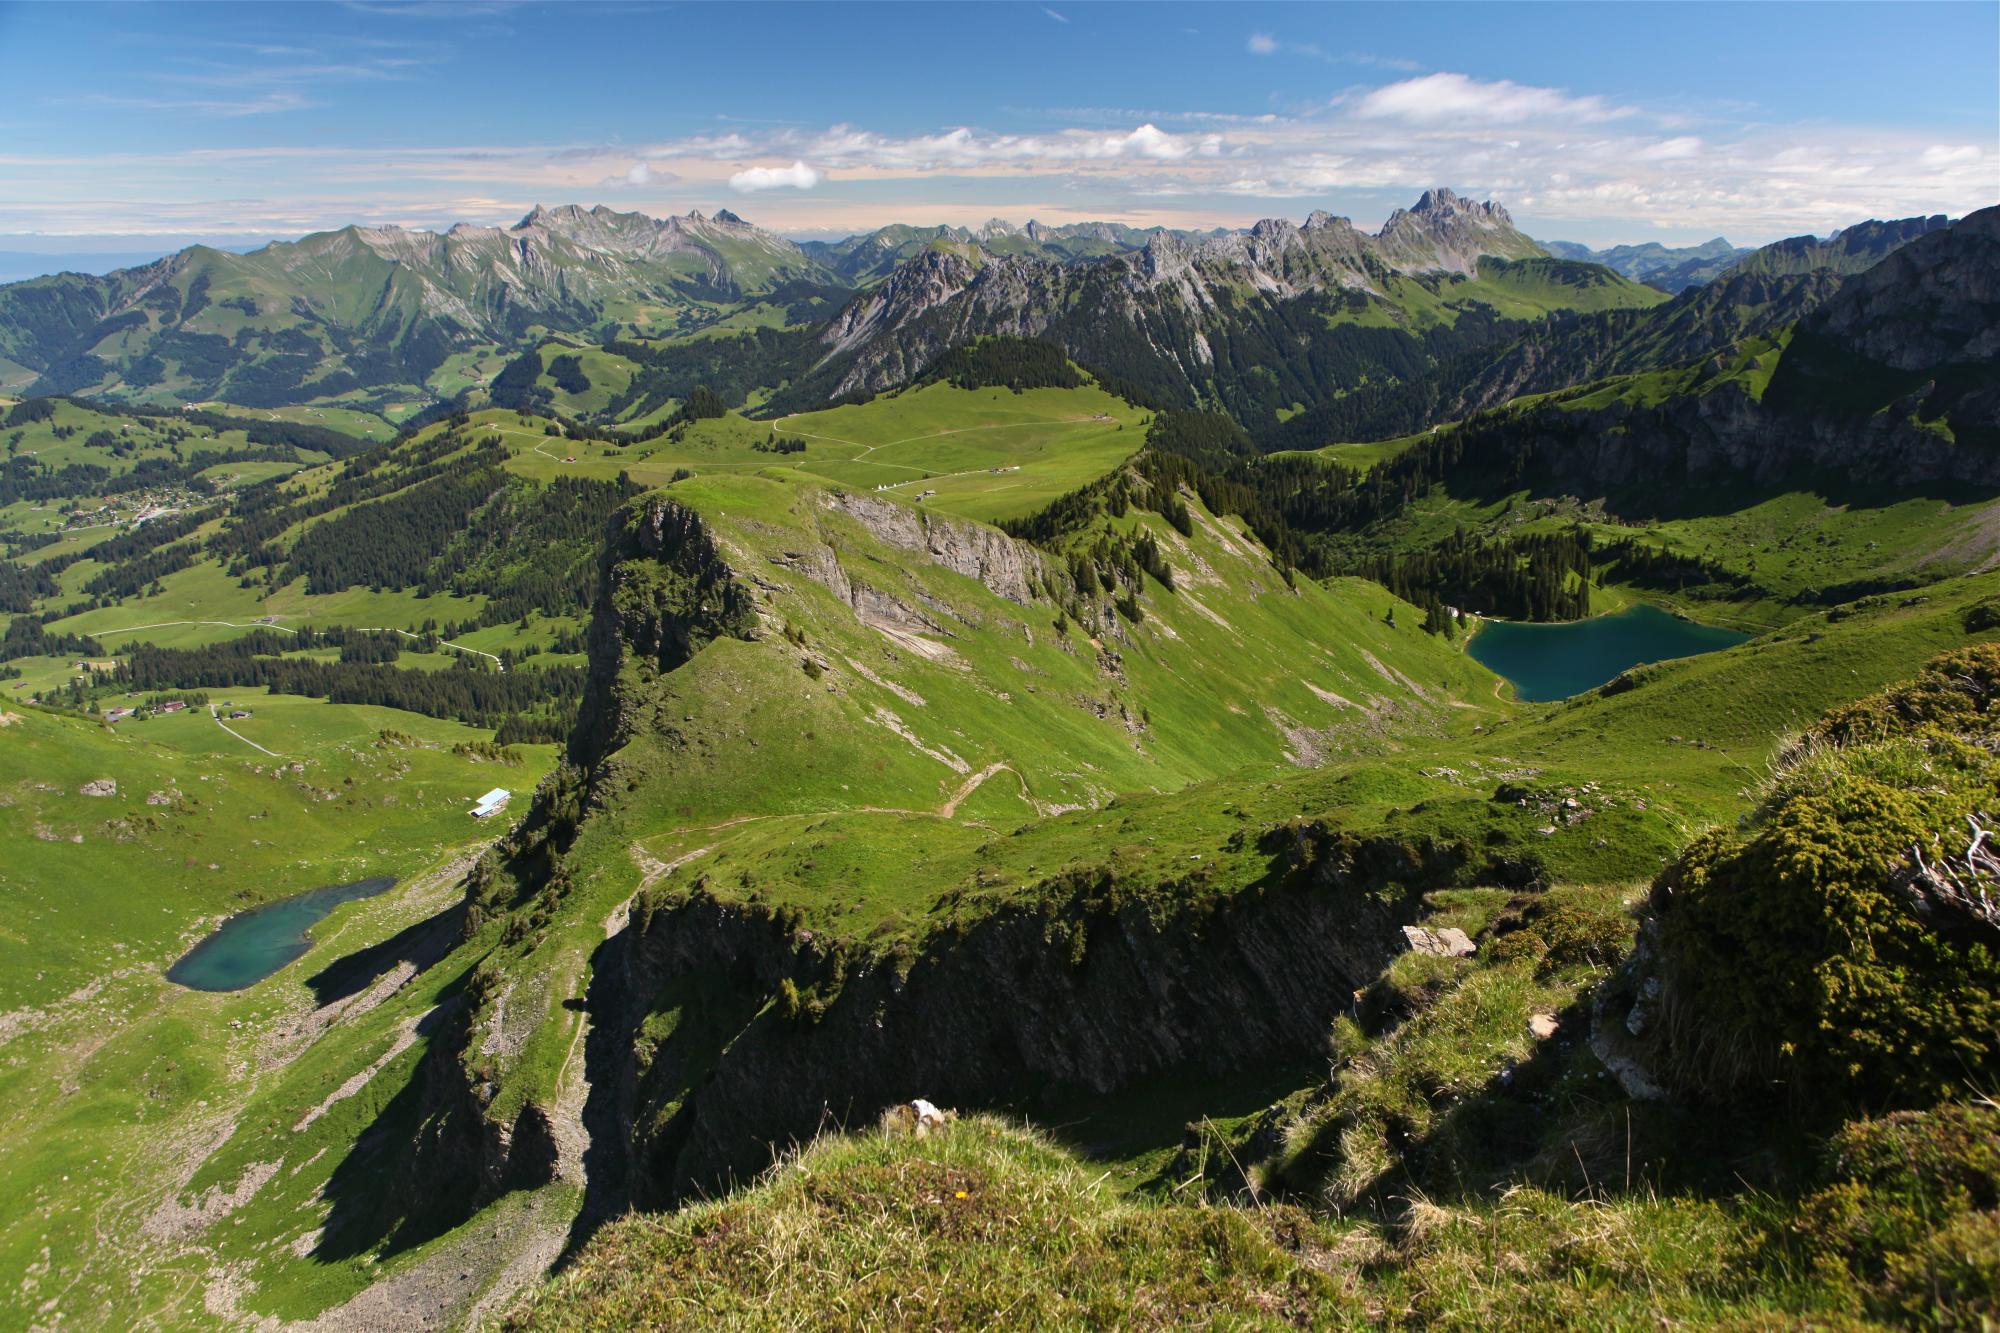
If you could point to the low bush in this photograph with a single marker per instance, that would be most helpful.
(1911, 1215)
(1844, 943)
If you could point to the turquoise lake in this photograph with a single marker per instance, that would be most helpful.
(1545, 662)
(252, 945)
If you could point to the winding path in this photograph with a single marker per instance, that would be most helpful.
(217, 717)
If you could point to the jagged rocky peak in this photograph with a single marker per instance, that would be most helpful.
(1164, 252)
(1438, 201)
(1447, 232)
(725, 216)
(552, 218)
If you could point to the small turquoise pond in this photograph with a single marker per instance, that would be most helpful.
(1544, 662)
(252, 945)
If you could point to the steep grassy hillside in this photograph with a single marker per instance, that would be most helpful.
(922, 683)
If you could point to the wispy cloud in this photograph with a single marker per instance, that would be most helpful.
(639, 175)
(1057, 17)
(258, 104)
(1445, 99)
(432, 9)
(1266, 44)
(248, 78)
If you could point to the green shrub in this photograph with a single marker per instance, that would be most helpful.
(1575, 931)
(1909, 1214)
(1805, 950)
(1516, 945)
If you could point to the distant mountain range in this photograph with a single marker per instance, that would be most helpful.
(1671, 269)
(1284, 325)
(1674, 270)
(378, 312)
(1261, 322)
(364, 308)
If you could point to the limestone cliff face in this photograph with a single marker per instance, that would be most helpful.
(1081, 987)
(1006, 566)
(1933, 303)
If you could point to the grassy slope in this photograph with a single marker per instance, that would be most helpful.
(1528, 288)
(983, 1224)
(824, 792)
(986, 1223)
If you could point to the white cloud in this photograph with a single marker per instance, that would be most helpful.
(1263, 44)
(965, 149)
(797, 176)
(1445, 99)
(1057, 17)
(1148, 141)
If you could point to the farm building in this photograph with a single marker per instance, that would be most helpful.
(492, 803)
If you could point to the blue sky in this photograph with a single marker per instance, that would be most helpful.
(1601, 123)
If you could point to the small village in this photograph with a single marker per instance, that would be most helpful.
(128, 511)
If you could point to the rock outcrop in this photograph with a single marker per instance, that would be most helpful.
(665, 591)
(1081, 986)
(1007, 567)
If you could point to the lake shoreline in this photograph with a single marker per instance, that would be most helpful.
(257, 943)
(1549, 662)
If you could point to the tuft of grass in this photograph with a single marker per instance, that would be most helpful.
(981, 1224)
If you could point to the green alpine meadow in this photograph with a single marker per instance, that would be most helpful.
(999, 666)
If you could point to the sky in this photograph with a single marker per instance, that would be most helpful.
(129, 126)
